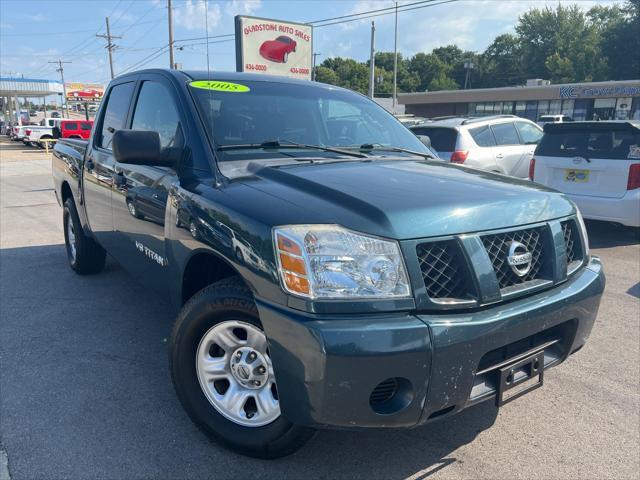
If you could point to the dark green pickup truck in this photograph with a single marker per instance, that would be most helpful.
(328, 271)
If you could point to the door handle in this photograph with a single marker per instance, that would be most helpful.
(499, 155)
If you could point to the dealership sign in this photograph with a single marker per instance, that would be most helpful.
(84, 92)
(594, 92)
(274, 47)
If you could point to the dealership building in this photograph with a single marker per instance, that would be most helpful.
(581, 101)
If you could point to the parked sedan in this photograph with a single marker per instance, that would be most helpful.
(597, 164)
(278, 50)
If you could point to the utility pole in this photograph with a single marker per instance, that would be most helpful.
(110, 45)
(172, 65)
(60, 70)
(372, 62)
(313, 70)
(395, 63)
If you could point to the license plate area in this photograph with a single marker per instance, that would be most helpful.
(575, 175)
(520, 377)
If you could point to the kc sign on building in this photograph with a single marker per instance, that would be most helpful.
(273, 47)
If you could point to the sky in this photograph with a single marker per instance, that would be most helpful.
(35, 32)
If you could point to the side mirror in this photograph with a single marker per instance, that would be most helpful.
(139, 147)
(425, 140)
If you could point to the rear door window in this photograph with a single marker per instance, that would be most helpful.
(70, 126)
(442, 139)
(620, 144)
(505, 134)
(85, 126)
(115, 115)
(483, 136)
(530, 134)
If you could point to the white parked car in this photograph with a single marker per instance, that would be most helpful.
(543, 119)
(502, 143)
(597, 164)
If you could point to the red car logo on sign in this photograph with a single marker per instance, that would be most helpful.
(278, 50)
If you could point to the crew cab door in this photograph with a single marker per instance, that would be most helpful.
(99, 163)
(140, 192)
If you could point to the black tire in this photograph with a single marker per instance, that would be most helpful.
(228, 299)
(89, 256)
(133, 210)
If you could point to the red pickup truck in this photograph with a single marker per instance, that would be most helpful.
(73, 129)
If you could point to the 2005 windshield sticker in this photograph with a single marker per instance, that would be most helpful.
(220, 86)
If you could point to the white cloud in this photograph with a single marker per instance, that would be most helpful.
(37, 17)
(192, 14)
(242, 7)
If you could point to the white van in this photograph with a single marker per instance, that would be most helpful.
(597, 164)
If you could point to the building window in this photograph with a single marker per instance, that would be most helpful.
(604, 108)
(581, 109)
(623, 108)
(520, 108)
(555, 107)
(543, 107)
(567, 107)
(635, 109)
(531, 110)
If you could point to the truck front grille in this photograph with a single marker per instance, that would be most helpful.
(444, 270)
(497, 246)
(572, 245)
(450, 277)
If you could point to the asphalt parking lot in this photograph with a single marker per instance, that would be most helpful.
(85, 390)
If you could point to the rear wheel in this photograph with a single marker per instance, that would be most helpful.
(84, 254)
(223, 374)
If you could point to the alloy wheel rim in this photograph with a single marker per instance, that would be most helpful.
(236, 375)
(71, 238)
(132, 208)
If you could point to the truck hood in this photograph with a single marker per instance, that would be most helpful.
(406, 199)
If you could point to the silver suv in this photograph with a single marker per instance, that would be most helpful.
(502, 143)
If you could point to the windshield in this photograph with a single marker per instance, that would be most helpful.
(309, 114)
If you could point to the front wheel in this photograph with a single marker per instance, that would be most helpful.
(223, 374)
(84, 254)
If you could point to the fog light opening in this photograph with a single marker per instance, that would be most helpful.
(391, 395)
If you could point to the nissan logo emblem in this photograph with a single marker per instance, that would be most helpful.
(519, 259)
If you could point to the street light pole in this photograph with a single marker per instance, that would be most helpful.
(60, 70)
(172, 65)
(313, 71)
(372, 61)
(395, 62)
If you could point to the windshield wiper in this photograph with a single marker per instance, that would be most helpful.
(367, 147)
(278, 144)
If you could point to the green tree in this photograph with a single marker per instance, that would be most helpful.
(502, 62)
(619, 31)
(429, 67)
(565, 31)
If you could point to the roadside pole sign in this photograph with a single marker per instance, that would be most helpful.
(273, 47)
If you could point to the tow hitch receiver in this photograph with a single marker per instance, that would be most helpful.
(522, 376)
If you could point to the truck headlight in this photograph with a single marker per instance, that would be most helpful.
(329, 261)
(583, 231)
